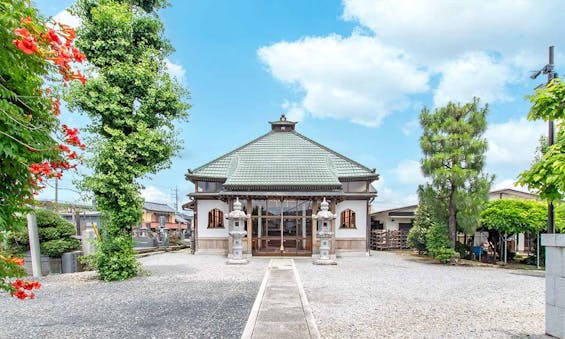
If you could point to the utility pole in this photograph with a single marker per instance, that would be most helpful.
(176, 198)
(56, 194)
(550, 75)
(549, 70)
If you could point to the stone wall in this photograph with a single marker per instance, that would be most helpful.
(554, 284)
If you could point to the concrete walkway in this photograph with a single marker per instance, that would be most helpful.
(281, 309)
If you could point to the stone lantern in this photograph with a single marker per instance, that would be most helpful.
(237, 219)
(324, 217)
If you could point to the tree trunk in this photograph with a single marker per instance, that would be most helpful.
(452, 220)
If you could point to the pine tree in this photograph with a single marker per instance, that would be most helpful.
(454, 155)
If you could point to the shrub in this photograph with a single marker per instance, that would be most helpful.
(462, 249)
(174, 239)
(437, 238)
(115, 259)
(444, 255)
(56, 248)
(438, 243)
(417, 239)
(54, 235)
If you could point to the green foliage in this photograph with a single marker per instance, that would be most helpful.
(133, 103)
(56, 248)
(9, 270)
(437, 239)
(51, 226)
(511, 216)
(454, 153)
(115, 259)
(417, 239)
(444, 255)
(462, 249)
(26, 120)
(547, 174)
(418, 233)
(438, 243)
(54, 235)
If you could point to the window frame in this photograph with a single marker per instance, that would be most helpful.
(347, 219)
(216, 218)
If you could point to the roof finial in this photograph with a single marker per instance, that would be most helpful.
(237, 205)
(324, 205)
(283, 117)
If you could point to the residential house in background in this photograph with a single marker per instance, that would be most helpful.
(401, 219)
(396, 219)
(152, 211)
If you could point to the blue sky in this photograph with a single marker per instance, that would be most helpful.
(355, 74)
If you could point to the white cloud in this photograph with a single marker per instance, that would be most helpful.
(409, 172)
(294, 112)
(436, 31)
(410, 126)
(473, 75)
(356, 78)
(513, 142)
(175, 70)
(153, 194)
(388, 198)
(67, 18)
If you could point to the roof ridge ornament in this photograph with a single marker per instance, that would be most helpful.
(283, 124)
(237, 204)
(324, 205)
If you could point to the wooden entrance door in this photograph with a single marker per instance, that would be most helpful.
(282, 236)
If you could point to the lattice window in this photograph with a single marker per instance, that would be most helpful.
(215, 218)
(347, 219)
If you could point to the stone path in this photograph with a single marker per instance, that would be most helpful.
(281, 309)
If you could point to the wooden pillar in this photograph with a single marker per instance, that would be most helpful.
(315, 248)
(227, 225)
(249, 228)
(368, 230)
(332, 209)
(195, 227)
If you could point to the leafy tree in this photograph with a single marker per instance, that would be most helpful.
(547, 175)
(454, 153)
(505, 217)
(511, 216)
(33, 145)
(417, 235)
(132, 102)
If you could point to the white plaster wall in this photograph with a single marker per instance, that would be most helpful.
(205, 206)
(554, 284)
(360, 209)
(391, 224)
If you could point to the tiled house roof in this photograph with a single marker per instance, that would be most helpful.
(282, 159)
(157, 207)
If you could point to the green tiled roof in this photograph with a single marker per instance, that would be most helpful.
(282, 159)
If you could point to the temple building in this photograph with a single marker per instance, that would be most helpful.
(281, 178)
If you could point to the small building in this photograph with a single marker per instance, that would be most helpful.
(510, 193)
(401, 219)
(396, 219)
(153, 211)
(281, 178)
(82, 219)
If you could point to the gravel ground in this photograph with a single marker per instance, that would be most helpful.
(389, 295)
(184, 296)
